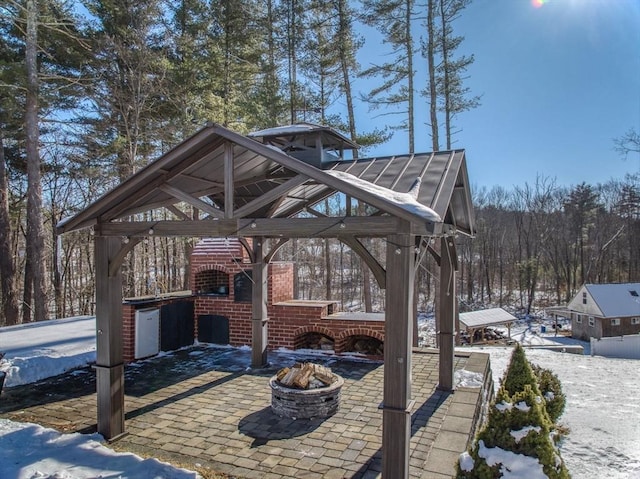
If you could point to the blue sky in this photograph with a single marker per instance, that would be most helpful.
(558, 84)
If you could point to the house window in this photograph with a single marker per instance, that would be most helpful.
(635, 320)
(584, 298)
(579, 319)
(615, 322)
(592, 321)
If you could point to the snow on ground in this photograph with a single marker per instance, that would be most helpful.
(35, 351)
(603, 412)
(29, 451)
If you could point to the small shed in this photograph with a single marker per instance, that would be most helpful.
(481, 320)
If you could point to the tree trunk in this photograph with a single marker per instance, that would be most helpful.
(7, 265)
(35, 234)
(411, 74)
(433, 96)
(445, 61)
(344, 65)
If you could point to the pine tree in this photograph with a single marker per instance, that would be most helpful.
(393, 18)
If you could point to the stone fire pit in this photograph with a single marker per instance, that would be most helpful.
(305, 391)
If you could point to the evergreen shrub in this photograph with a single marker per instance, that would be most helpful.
(551, 390)
(519, 430)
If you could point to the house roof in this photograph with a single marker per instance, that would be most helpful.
(614, 300)
(486, 317)
(265, 182)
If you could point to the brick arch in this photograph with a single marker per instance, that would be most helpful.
(207, 267)
(360, 332)
(314, 329)
(299, 336)
(342, 340)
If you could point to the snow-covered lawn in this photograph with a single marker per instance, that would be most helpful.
(36, 351)
(29, 451)
(603, 411)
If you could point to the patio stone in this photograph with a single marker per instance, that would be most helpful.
(210, 408)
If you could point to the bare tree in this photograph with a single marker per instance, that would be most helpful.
(7, 264)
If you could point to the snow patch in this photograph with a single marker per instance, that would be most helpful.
(468, 379)
(522, 433)
(466, 462)
(29, 451)
(523, 406)
(406, 201)
(504, 406)
(513, 466)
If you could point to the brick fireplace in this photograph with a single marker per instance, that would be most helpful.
(221, 290)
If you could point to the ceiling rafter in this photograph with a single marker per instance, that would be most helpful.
(193, 201)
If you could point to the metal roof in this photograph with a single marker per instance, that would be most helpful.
(329, 135)
(268, 183)
(486, 317)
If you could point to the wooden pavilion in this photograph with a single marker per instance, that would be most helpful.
(239, 186)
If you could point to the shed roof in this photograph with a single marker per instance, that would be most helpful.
(268, 183)
(486, 317)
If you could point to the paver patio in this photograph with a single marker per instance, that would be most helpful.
(204, 405)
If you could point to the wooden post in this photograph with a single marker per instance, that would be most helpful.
(447, 311)
(109, 363)
(396, 408)
(259, 330)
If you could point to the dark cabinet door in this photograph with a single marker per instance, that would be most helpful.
(176, 325)
(213, 328)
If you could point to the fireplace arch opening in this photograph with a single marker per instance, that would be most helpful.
(314, 340)
(212, 282)
(363, 344)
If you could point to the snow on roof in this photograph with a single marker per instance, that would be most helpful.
(407, 201)
(486, 317)
(616, 299)
(287, 130)
(302, 127)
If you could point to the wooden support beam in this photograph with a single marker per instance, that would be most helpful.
(366, 226)
(447, 311)
(116, 261)
(270, 196)
(376, 268)
(228, 180)
(192, 200)
(247, 247)
(259, 329)
(396, 414)
(281, 242)
(109, 358)
(179, 214)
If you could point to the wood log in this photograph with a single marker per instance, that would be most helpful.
(302, 379)
(324, 374)
(282, 373)
(288, 379)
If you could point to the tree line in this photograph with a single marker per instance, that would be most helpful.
(92, 90)
(535, 245)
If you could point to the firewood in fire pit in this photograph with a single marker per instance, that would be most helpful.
(306, 376)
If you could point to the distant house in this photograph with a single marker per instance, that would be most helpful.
(605, 310)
